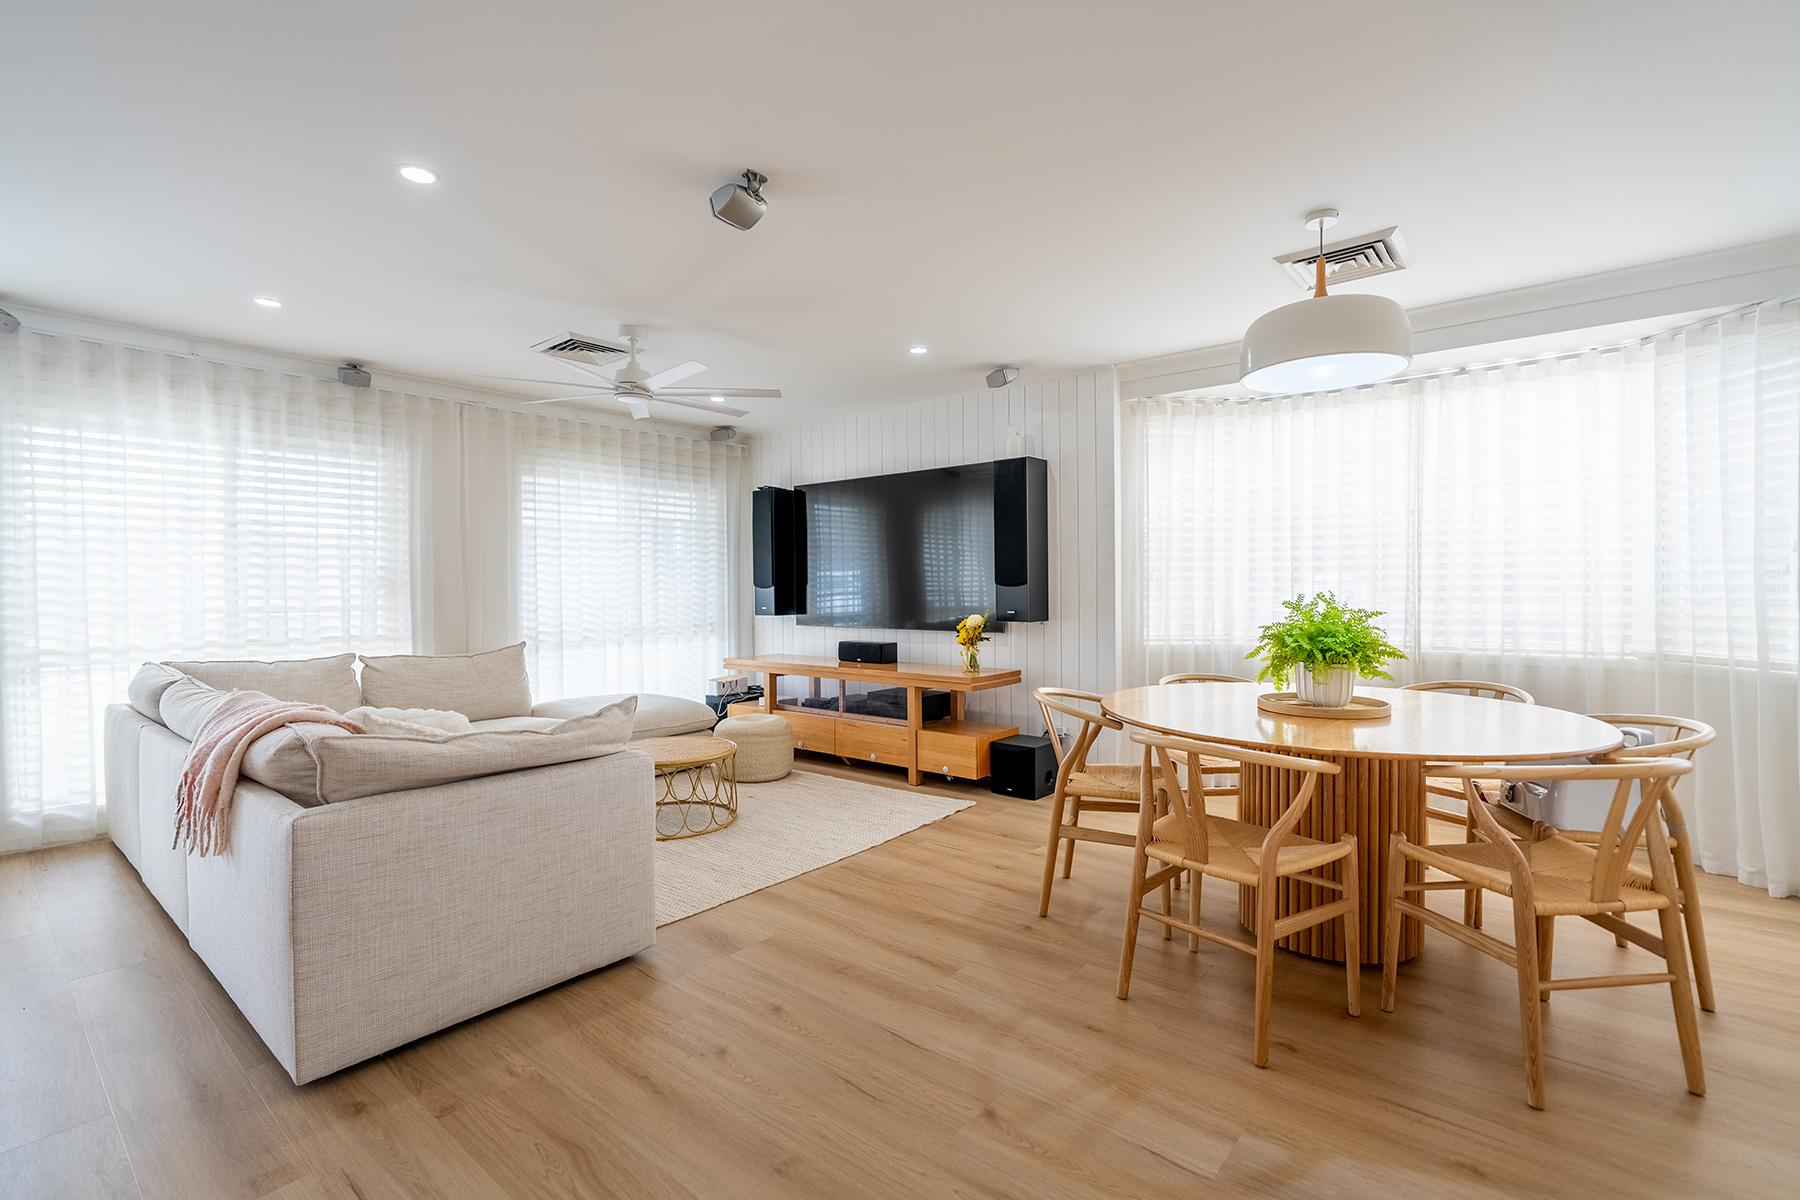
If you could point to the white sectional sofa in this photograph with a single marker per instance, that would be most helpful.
(345, 929)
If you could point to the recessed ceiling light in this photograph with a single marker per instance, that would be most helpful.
(718, 399)
(917, 350)
(268, 301)
(417, 174)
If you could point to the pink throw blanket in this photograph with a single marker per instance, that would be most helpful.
(209, 779)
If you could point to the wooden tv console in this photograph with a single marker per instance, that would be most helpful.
(956, 747)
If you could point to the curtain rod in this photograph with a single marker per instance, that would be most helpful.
(1531, 360)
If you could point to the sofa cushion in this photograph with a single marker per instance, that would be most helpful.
(410, 722)
(145, 691)
(370, 764)
(657, 716)
(186, 705)
(479, 686)
(504, 724)
(282, 759)
(328, 681)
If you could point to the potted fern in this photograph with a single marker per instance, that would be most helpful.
(1324, 647)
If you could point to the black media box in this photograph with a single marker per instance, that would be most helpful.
(1022, 766)
(869, 652)
(934, 705)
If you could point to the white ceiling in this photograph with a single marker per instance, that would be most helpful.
(1045, 182)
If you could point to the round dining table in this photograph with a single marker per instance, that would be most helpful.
(1380, 786)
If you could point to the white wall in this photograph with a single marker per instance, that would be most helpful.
(1070, 422)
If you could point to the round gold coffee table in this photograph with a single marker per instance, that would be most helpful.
(698, 792)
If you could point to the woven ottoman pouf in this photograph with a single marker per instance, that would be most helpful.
(765, 745)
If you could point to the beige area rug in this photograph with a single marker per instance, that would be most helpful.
(787, 828)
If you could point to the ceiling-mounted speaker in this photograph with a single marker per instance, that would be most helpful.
(724, 433)
(352, 375)
(741, 205)
(999, 377)
(8, 322)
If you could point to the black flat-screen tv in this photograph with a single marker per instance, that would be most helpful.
(916, 550)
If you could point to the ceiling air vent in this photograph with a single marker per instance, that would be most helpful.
(574, 347)
(1379, 253)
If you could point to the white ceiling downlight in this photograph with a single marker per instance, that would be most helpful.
(1326, 342)
(414, 173)
(918, 350)
(266, 301)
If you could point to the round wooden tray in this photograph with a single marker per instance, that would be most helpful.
(1360, 708)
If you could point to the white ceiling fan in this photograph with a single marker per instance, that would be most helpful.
(632, 385)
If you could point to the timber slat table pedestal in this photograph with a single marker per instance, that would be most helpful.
(1369, 797)
(1381, 784)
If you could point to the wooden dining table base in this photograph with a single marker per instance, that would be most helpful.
(1371, 798)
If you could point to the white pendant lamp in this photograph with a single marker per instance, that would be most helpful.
(1326, 342)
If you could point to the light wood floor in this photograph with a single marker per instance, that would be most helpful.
(898, 1024)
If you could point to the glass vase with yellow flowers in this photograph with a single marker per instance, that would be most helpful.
(971, 631)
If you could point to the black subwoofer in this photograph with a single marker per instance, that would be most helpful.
(1022, 766)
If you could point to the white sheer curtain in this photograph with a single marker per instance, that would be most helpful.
(1617, 531)
(623, 549)
(156, 506)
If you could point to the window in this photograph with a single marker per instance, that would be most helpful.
(1631, 503)
(1614, 532)
(625, 562)
(160, 507)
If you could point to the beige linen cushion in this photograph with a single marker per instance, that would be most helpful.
(370, 764)
(541, 724)
(145, 691)
(328, 681)
(657, 716)
(282, 760)
(186, 704)
(479, 686)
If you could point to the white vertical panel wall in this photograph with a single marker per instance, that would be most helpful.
(1070, 422)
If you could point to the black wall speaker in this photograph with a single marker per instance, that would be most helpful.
(778, 562)
(1022, 766)
(1022, 539)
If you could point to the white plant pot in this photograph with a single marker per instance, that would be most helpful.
(1335, 692)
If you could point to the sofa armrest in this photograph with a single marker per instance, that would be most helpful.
(410, 911)
(240, 914)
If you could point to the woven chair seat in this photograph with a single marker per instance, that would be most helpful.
(1119, 781)
(1453, 788)
(1562, 875)
(1235, 849)
(1590, 837)
(1108, 781)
